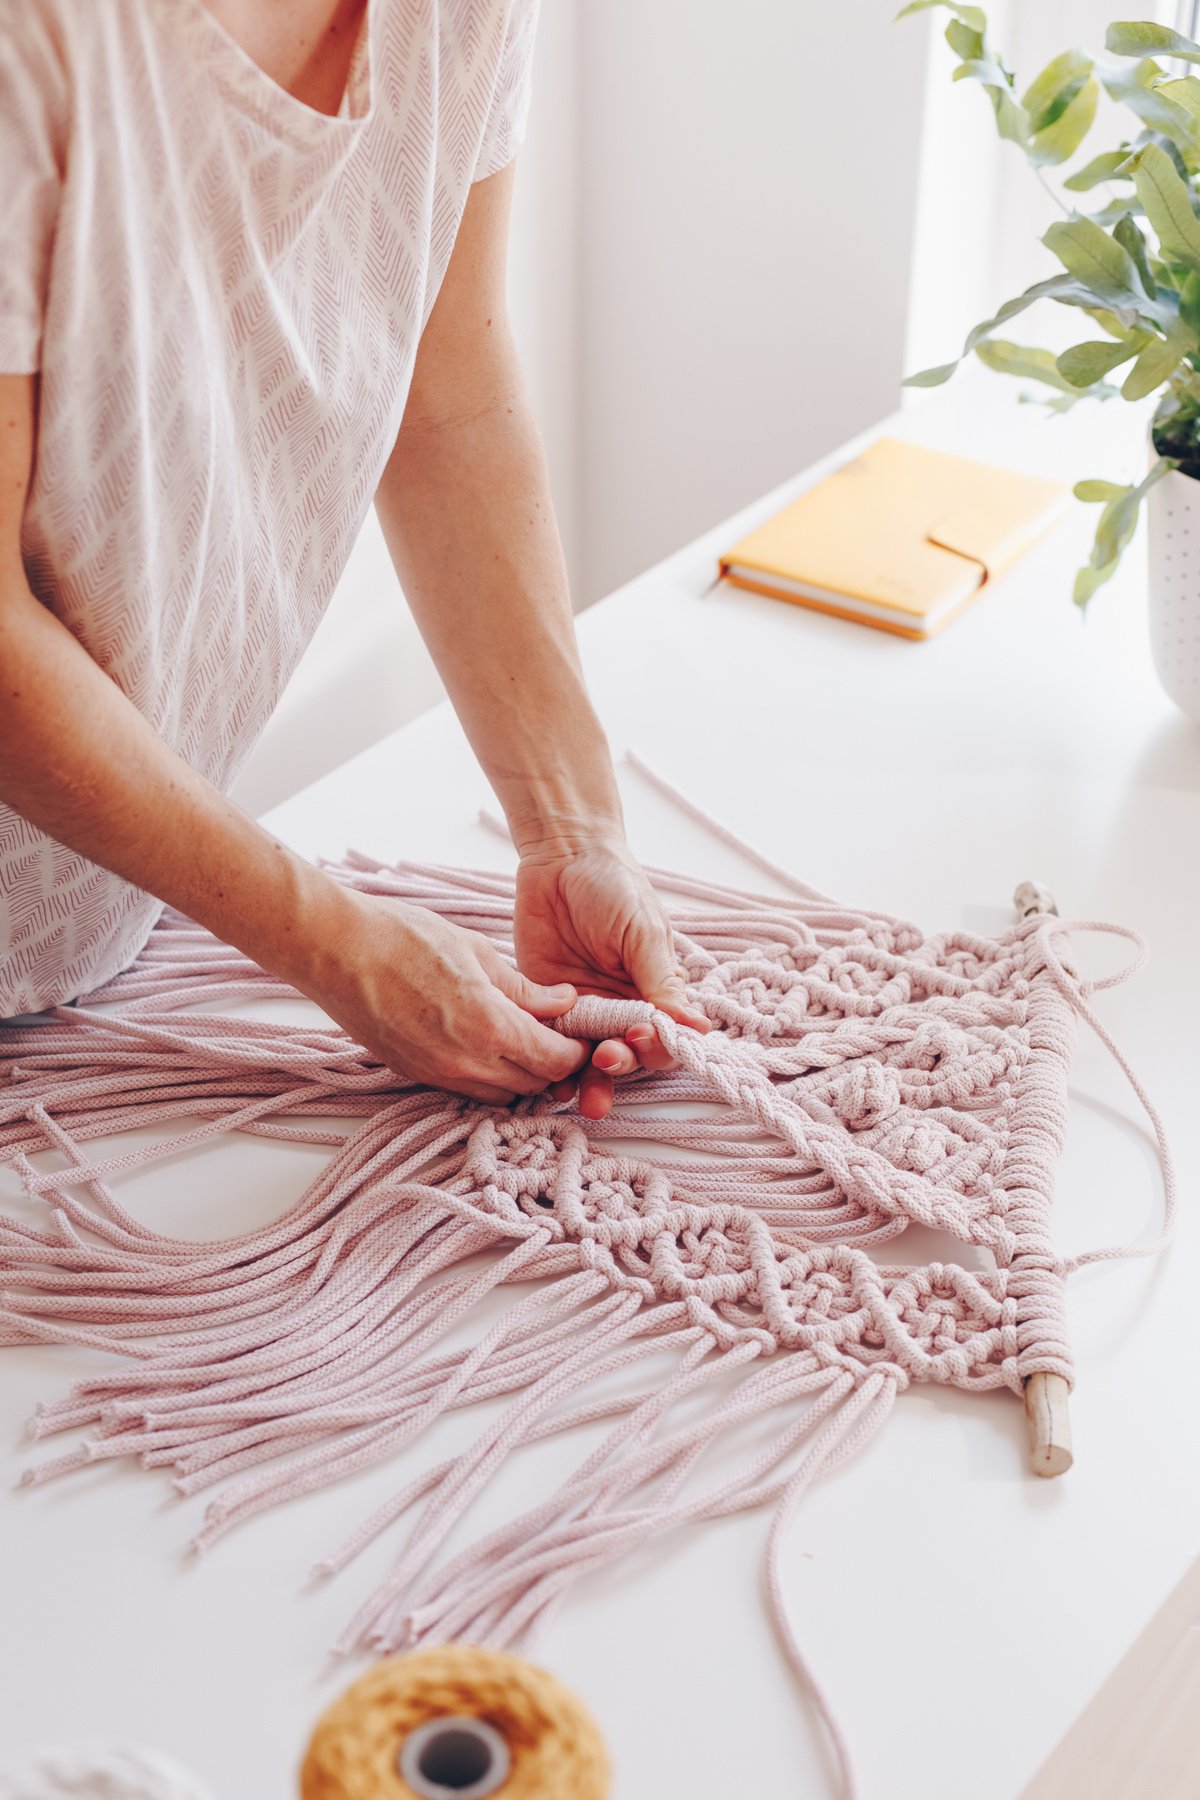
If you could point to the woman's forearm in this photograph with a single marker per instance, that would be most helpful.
(80, 762)
(466, 509)
(432, 1001)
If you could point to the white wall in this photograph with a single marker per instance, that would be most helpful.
(747, 194)
(955, 272)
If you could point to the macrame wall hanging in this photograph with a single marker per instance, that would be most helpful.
(867, 1076)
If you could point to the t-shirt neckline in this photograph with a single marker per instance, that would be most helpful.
(264, 99)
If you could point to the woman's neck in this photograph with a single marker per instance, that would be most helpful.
(304, 46)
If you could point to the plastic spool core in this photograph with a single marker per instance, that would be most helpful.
(454, 1759)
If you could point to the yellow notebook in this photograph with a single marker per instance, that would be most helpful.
(901, 538)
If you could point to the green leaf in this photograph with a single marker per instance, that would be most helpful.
(986, 70)
(1168, 205)
(1098, 490)
(1088, 579)
(1107, 321)
(1065, 291)
(1104, 167)
(964, 42)
(1140, 90)
(1058, 287)
(1021, 360)
(1141, 38)
(1097, 261)
(1051, 92)
(1160, 358)
(1185, 92)
(1116, 526)
(1189, 304)
(1060, 139)
(1130, 239)
(1068, 399)
(1168, 148)
(972, 16)
(931, 377)
(1012, 121)
(1040, 365)
(1127, 207)
(1089, 362)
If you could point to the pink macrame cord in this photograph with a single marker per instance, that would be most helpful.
(860, 1077)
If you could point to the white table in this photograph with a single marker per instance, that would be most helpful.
(959, 1612)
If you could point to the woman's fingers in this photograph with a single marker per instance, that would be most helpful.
(518, 1034)
(648, 1048)
(615, 1057)
(543, 1055)
(595, 1092)
(672, 999)
(658, 977)
(521, 1079)
(482, 1090)
(532, 996)
(567, 1068)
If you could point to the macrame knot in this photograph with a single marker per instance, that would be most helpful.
(928, 1044)
(866, 1093)
(750, 998)
(915, 1143)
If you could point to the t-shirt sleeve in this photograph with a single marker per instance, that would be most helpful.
(32, 111)
(504, 132)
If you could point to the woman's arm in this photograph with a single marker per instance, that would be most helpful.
(465, 506)
(80, 762)
(466, 509)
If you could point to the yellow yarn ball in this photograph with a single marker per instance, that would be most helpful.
(554, 1744)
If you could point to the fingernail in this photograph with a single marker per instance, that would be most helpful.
(605, 1060)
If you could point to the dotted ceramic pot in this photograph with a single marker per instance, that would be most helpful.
(1173, 508)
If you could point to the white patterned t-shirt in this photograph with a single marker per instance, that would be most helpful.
(223, 290)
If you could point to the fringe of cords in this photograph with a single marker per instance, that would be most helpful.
(288, 1344)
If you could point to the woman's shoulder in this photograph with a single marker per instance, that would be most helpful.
(470, 25)
(477, 43)
(35, 63)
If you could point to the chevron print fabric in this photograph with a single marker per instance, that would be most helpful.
(223, 291)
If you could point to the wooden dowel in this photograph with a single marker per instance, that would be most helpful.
(1049, 1424)
(1045, 1394)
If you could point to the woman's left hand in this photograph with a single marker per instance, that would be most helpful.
(588, 915)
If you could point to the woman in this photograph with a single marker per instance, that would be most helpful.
(251, 280)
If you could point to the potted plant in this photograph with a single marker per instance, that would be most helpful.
(1130, 264)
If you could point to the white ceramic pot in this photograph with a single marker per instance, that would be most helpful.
(1173, 526)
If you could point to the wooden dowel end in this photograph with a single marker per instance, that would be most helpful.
(1049, 1424)
(1032, 897)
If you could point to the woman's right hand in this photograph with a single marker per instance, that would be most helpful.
(435, 1002)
